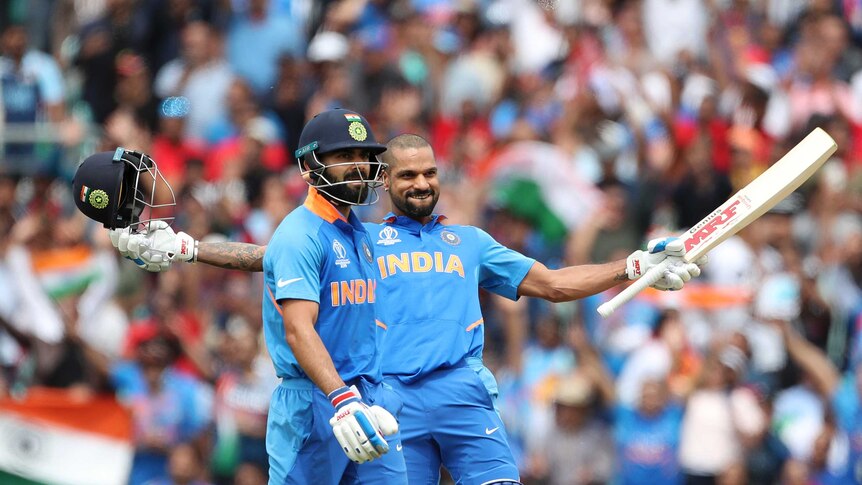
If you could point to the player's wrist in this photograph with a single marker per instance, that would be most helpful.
(635, 265)
(343, 396)
(187, 248)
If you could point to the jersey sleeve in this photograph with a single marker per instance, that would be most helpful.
(295, 261)
(501, 269)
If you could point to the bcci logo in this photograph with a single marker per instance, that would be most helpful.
(388, 236)
(366, 251)
(357, 131)
(341, 254)
(97, 198)
(450, 238)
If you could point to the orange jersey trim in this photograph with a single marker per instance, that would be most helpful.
(272, 299)
(475, 324)
(381, 324)
(322, 207)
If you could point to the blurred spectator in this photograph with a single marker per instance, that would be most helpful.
(269, 35)
(134, 91)
(546, 360)
(32, 91)
(676, 30)
(201, 75)
(162, 22)
(168, 408)
(647, 436)
(170, 320)
(248, 158)
(185, 467)
(242, 401)
(667, 358)
(721, 419)
(579, 449)
(173, 151)
(290, 99)
(702, 189)
(100, 41)
(609, 231)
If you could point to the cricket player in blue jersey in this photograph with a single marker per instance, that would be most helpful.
(428, 277)
(320, 289)
(433, 342)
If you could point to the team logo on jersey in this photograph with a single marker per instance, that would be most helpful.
(450, 237)
(341, 254)
(367, 252)
(388, 236)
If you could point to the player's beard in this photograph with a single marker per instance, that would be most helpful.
(348, 192)
(416, 209)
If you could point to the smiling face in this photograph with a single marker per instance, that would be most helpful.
(412, 182)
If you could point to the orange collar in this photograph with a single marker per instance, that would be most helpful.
(322, 207)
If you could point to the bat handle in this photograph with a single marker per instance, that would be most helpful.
(650, 278)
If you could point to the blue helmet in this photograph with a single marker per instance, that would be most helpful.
(333, 130)
(118, 189)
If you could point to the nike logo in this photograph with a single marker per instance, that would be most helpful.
(282, 283)
(491, 430)
(398, 447)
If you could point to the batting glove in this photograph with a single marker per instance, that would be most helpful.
(678, 271)
(359, 428)
(155, 247)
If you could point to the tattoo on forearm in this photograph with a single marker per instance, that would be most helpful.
(232, 255)
(621, 276)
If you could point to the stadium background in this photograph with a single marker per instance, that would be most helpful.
(570, 130)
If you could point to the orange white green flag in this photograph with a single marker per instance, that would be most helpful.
(56, 437)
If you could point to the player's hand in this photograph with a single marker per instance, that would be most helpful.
(155, 247)
(678, 271)
(128, 244)
(359, 428)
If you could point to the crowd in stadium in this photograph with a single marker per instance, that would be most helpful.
(572, 131)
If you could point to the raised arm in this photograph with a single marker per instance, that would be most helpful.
(574, 282)
(155, 249)
(812, 360)
(232, 255)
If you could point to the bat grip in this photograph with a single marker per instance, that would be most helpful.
(650, 278)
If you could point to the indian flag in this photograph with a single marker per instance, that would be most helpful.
(55, 437)
(84, 192)
(353, 117)
(65, 271)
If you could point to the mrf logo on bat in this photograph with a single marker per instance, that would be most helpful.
(718, 219)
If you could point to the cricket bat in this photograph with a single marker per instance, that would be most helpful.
(751, 202)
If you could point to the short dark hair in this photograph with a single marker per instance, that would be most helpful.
(403, 141)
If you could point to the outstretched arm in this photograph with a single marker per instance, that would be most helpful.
(232, 255)
(573, 282)
(157, 246)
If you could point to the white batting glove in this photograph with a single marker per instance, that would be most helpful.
(124, 239)
(678, 271)
(359, 428)
(155, 247)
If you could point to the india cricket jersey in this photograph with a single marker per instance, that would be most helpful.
(316, 254)
(428, 282)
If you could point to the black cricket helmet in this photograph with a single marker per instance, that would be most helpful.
(118, 188)
(333, 130)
